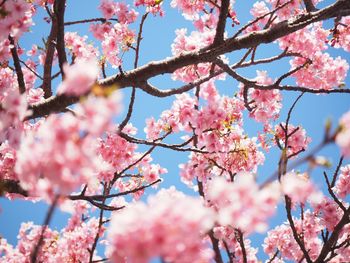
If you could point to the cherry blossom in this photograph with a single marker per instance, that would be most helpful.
(297, 140)
(230, 237)
(341, 34)
(70, 244)
(299, 188)
(266, 103)
(152, 6)
(343, 137)
(17, 18)
(195, 41)
(172, 226)
(79, 77)
(78, 46)
(66, 140)
(241, 204)
(342, 187)
(280, 238)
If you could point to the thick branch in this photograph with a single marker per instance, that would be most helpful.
(16, 62)
(11, 186)
(232, 44)
(50, 51)
(220, 27)
(50, 105)
(209, 54)
(59, 7)
(309, 5)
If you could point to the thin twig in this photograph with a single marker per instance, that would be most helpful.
(100, 19)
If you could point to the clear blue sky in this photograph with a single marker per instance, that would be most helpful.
(159, 33)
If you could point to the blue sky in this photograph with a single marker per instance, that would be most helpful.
(311, 112)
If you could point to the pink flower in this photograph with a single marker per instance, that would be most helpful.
(96, 113)
(118, 37)
(297, 139)
(108, 8)
(188, 7)
(172, 225)
(343, 137)
(152, 6)
(32, 51)
(7, 162)
(266, 103)
(17, 18)
(99, 30)
(342, 187)
(195, 41)
(35, 95)
(241, 204)
(78, 46)
(281, 238)
(79, 77)
(229, 236)
(299, 188)
(341, 36)
(55, 158)
(71, 243)
(124, 15)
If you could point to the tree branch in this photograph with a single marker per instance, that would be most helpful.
(59, 7)
(327, 246)
(50, 51)
(11, 186)
(16, 62)
(220, 27)
(309, 5)
(141, 74)
(100, 19)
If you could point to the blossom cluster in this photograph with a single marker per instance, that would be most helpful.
(172, 226)
(120, 10)
(341, 34)
(281, 238)
(230, 237)
(218, 127)
(152, 6)
(71, 244)
(324, 216)
(16, 18)
(13, 108)
(309, 43)
(300, 189)
(241, 204)
(265, 104)
(79, 77)
(115, 38)
(343, 136)
(194, 42)
(342, 187)
(61, 154)
(79, 48)
(296, 138)
(120, 154)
